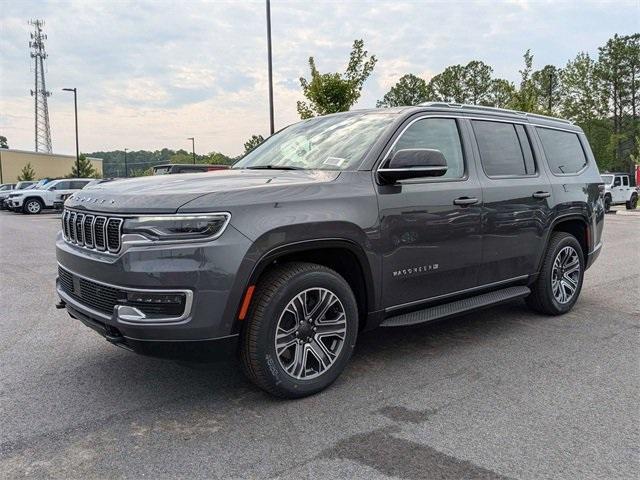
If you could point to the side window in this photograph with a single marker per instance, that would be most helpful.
(563, 150)
(78, 184)
(500, 150)
(63, 185)
(438, 134)
(625, 181)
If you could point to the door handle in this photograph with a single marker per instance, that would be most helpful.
(541, 195)
(464, 201)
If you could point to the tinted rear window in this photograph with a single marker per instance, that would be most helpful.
(500, 150)
(563, 150)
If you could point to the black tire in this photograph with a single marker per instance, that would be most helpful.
(607, 203)
(542, 298)
(632, 203)
(258, 354)
(32, 206)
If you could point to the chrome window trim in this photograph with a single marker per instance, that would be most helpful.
(154, 322)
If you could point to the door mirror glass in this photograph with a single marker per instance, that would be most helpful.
(414, 163)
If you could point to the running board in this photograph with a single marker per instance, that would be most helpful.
(455, 308)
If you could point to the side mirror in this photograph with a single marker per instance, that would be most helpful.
(52, 188)
(414, 163)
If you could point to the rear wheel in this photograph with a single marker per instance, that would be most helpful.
(32, 206)
(558, 285)
(301, 331)
(633, 202)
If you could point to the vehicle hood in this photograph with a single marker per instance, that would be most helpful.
(167, 193)
(28, 192)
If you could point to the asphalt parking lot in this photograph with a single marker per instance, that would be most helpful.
(503, 393)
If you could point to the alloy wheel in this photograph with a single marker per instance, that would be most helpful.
(565, 275)
(310, 333)
(33, 207)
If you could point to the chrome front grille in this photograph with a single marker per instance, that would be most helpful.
(96, 232)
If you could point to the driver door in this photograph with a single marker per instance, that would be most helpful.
(431, 227)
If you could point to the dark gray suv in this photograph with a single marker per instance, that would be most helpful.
(336, 224)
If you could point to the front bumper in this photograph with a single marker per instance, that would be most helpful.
(210, 271)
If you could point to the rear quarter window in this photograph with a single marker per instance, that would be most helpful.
(563, 150)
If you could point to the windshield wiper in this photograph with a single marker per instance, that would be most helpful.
(273, 167)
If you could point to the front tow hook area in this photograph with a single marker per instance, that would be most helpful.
(61, 304)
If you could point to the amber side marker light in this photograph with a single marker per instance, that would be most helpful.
(246, 302)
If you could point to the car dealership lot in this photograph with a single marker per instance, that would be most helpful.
(501, 393)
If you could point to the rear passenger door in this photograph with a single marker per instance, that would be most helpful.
(517, 200)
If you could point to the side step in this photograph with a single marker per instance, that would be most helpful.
(455, 308)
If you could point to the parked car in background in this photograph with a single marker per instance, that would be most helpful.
(186, 168)
(618, 190)
(4, 192)
(7, 186)
(385, 217)
(59, 202)
(33, 201)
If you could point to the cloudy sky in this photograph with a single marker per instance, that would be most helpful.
(152, 73)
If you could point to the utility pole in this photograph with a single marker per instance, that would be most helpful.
(40, 92)
(193, 148)
(126, 170)
(271, 123)
(550, 92)
(75, 106)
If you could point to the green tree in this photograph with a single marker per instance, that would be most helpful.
(3, 142)
(409, 90)
(525, 98)
(548, 85)
(449, 86)
(619, 71)
(82, 168)
(584, 102)
(501, 93)
(27, 173)
(217, 158)
(336, 92)
(252, 143)
(476, 82)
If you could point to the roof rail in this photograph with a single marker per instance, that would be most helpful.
(504, 111)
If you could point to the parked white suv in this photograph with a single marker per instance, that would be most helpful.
(618, 190)
(5, 192)
(34, 201)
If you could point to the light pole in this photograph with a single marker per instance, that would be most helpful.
(126, 170)
(271, 128)
(75, 106)
(193, 148)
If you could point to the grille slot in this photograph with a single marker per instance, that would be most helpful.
(92, 231)
(103, 298)
(80, 229)
(72, 227)
(88, 231)
(113, 234)
(98, 230)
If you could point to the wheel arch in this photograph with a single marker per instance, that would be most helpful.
(574, 224)
(342, 255)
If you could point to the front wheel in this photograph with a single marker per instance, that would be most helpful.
(558, 285)
(632, 203)
(607, 204)
(32, 206)
(302, 328)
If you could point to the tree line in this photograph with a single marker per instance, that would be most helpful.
(599, 94)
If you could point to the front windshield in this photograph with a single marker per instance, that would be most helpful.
(608, 179)
(335, 142)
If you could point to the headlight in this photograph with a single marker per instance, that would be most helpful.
(178, 227)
